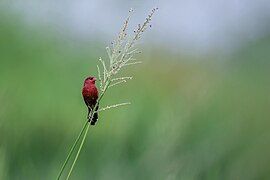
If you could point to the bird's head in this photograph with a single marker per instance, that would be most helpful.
(90, 80)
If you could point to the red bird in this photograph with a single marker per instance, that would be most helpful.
(90, 96)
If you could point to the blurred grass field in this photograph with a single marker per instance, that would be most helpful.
(191, 118)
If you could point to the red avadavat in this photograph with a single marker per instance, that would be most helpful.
(90, 96)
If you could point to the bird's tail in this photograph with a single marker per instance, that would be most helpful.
(95, 119)
(95, 116)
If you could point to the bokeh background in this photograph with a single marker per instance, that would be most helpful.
(200, 101)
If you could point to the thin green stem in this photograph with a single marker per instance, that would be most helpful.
(71, 150)
(78, 153)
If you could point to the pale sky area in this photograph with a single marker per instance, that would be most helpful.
(200, 25)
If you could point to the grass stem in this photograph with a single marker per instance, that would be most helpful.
(78, 153)
(71, 150)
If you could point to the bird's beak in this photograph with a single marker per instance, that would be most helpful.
(94, 79)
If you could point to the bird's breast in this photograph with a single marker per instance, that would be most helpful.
(90, 92)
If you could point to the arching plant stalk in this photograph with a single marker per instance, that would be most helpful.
(121, 54)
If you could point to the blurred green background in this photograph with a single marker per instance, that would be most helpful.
(193, 116)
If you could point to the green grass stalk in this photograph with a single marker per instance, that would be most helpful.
(78, 152)
(71, 150)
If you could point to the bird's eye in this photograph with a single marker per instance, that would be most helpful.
(91, 78)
